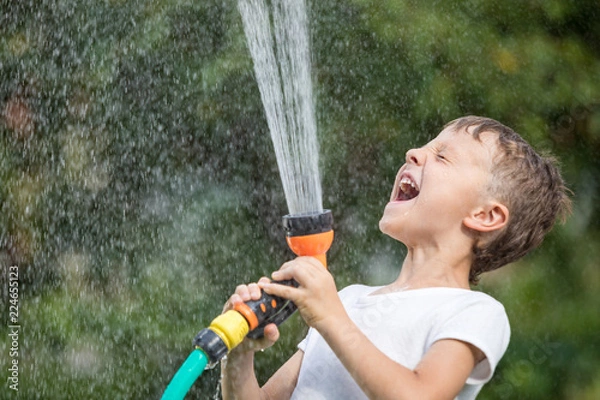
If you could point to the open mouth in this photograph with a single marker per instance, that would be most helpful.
(407, 189)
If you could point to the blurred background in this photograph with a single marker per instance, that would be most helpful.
(139, 186)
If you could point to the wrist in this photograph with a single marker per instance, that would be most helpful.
(334, 322)
(238, 357)
(233, 364)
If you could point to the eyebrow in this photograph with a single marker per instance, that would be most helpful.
(439, 147)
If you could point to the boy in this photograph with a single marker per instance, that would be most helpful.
(472, 200)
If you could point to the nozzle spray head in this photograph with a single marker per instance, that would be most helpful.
(310, 234)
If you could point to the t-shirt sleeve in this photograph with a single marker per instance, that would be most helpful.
(302, 345)
(484, 324)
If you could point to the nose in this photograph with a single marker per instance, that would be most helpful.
(414, 156)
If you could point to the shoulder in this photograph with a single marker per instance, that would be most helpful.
(473, 317)
(484, 299)
(476, 307)
(449, 301)
(479, 301)
(355, 291)
(479, 320)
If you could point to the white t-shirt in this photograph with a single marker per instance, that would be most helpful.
(404, 325)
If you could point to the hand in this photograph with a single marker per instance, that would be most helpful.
(244, 293)
(316, 297)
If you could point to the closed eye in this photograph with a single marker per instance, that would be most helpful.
(438, 151)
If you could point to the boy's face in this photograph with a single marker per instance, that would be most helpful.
(438, 187)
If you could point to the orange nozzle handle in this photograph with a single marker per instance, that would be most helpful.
(247, 312)
(314, 245)
(310, 234)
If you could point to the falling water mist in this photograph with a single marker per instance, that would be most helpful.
(278, 40)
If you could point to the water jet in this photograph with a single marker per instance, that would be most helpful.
(281, 58)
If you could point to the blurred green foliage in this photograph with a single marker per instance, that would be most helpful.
(139, 186)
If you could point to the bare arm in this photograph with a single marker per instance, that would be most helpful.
(283, 382)
(441, 373)
(239, 380)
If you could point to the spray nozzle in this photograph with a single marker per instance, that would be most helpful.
(309, 234)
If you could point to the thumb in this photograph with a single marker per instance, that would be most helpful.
(271, 335)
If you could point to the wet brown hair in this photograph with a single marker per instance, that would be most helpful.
(529, 184)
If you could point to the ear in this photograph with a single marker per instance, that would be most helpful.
(491, 217)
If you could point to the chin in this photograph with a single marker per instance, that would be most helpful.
(382, 225)
(393, 225)
(386, 225)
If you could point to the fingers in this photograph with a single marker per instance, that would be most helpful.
(248, 292)
(298, 269)
(264, 279)
(244, 293)
(290, 270)
(285, 291)
(313, 261)
(285, 272)
(271, 335)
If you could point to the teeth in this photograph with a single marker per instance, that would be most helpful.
(407, 181)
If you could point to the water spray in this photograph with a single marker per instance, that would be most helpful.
(281, 58)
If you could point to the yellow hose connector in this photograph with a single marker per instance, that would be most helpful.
(231, 327)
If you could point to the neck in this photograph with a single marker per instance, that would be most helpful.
(434, 267)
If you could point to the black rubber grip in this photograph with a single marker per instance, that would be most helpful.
(271, 309)
(307, 223)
